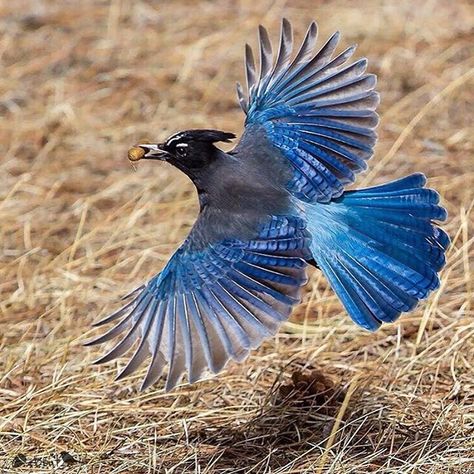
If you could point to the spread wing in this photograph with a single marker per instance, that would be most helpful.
(214, 301)
(316, 109)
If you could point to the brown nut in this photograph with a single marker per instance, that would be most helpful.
(136, 153)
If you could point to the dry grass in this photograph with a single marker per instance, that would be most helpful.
(80, 82)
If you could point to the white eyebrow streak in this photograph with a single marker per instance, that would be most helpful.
(182, 145)
(173, 138)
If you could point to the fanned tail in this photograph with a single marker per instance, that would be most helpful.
(380, 248)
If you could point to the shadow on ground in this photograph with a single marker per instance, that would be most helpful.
(297, 420)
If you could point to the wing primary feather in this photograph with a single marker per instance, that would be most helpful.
(133, 292)
(186, 333)
(227, 321)
(311, 67)
(303, 55)
(171, 320)
(266, 56)
(325, 53)
(309, 79)
(216, 325)
(307, 46)
(251, 73)
(201, 356)
(257, 301)
(174, 358)
(126, 343)
(314, 89)
(201, 329)
(237, 306)
(155, 370)
(142, 350)
(202, 318)
(157, 361)
(121, 326)
(284, 51)
(116, 314)
(242, 99)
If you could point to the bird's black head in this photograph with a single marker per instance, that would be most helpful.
(190, 151)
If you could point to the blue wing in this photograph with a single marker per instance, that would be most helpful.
(317, 110)
(211, 304)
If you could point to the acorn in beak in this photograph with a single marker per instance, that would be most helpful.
(150, 151)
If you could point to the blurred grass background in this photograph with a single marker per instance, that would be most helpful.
(82, 81)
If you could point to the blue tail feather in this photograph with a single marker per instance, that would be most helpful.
(379, 287)
(421, 246)
(412, 181)
(380, 248)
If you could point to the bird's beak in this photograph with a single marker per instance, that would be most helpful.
(154, 151)
(150, 151)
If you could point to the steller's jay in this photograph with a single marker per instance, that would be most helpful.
(273, 204)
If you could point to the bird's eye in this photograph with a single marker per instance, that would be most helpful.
(182, 149)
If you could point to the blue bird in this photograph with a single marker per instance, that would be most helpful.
(273, 205)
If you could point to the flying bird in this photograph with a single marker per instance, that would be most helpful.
(272, 206)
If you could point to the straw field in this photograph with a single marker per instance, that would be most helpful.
(82, 81)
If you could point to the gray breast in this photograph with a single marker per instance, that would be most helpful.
(243, 189)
